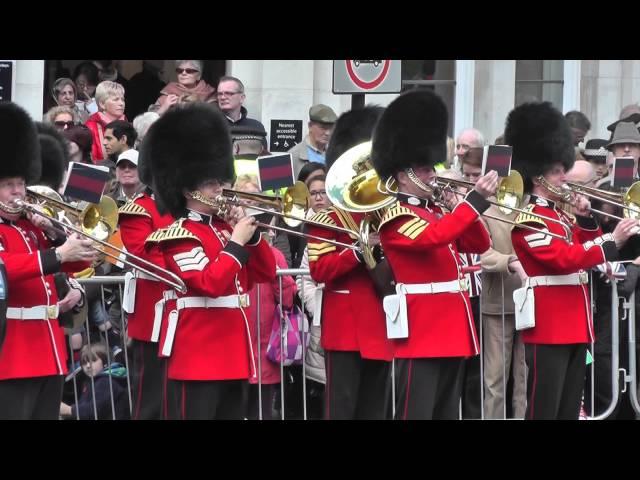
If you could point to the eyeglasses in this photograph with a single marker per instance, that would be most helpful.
(227, 94)
(60, 124)
(190, 71)
(315, 193)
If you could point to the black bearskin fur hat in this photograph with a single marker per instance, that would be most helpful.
(19, 143)
(54, 154)
(351, 129)
(412, 132)
(186, 146)
(540, 137)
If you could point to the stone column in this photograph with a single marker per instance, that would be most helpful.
(494, 95)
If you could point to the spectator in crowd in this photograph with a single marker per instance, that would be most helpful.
(310, 293)
(62, 117)
(141, 124)
(80, 139)
(468, 138)
(268, 303)
(248, 145)
(580, 126)
(85, 77)
(189, 85)
(231, 97)
(110, 98)
(65, 93)
(144, 88)
(102, 378)
(312, 149)
(119, 136)
(595, 153)
(108, 71)
(129, 184)
(624, 143)
(298, 244)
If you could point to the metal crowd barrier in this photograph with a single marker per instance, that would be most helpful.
(621, 379)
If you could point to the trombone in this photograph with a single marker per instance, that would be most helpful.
(95, 220)
(628, 201)
(294, 201)
(509, 195)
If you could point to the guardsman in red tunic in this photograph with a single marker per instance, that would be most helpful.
(357, 352)
(555, 348)
(422, 246)
(33, 355)
(145, 303)
(211, 355)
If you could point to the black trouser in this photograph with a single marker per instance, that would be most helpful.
(555, 380)
(428, 388)
(206, 400)
(356, 388)
(146, 381)
(36, 398)
(472, 384)
(267, 393)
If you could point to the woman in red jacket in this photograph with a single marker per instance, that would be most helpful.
(110, 99)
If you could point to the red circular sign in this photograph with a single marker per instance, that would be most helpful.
(370, 84)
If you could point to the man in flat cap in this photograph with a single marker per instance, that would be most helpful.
(625, 142)
(312, 149)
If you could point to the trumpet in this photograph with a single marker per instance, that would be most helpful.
(103, 223)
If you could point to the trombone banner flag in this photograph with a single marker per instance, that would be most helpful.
(85, 182)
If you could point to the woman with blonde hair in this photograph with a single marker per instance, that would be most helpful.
(110, 99)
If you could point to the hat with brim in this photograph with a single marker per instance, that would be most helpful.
(634, 118)
(595, 150)
(625, 132)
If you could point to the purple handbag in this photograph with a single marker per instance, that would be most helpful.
(286, 336)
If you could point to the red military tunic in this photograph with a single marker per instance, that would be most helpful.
(32, 348)
(352, 314)
(212, 343)
(423, 246)
(139, 219)
(563, 313)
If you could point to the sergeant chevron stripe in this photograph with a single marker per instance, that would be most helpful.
(195, 259)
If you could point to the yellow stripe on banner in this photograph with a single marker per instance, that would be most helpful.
(417, 232)
(407, 225)
(408, 232)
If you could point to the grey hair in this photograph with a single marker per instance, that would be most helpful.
(195, 63)
(53, 112)
(142, 123)
(480, 142)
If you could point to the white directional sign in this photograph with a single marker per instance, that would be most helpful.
(367, 76)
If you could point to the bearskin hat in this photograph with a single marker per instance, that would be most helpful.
(352, 128)
(412, 132)
(540, 137)
(54, 155)
(187, 145)
(19, 141)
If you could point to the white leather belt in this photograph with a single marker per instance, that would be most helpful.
(159, 310)
(557, 280)
(435, 287)
(144, 276)
(41, 312)
(230, 301)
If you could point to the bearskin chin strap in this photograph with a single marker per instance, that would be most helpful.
(5, 207)
(197, 195)
(564, 194)
(431, 189)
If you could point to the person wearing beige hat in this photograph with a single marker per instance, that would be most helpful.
(312, 149)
